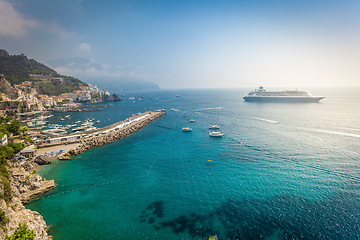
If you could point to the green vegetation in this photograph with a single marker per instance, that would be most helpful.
(22, 233)
(3, 218)
(56, 87)
(5, 119)
(7, 152)
(7, 194)
(12, 107)
(34, 171)
(24, 129)
(16, 69)
(28, 139)
(14, 127)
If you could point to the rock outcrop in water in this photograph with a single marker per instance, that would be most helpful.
(42, 160)
(26, 185)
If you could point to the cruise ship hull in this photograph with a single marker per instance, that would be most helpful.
(284, 99)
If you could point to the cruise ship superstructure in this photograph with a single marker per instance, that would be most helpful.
(261, 95)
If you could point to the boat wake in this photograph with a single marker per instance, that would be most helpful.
(335, 132)
(351, 129)
(210, 108)
(265, 120)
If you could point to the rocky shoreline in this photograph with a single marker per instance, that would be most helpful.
(25, 185)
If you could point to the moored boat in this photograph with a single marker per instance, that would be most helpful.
(216, 134)
(187, 129)
(214, 127)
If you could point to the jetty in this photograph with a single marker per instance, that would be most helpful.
(74, 144)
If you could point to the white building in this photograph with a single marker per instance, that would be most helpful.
(4, 141)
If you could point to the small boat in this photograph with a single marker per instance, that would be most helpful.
(178, 95)
(62, 119)
(187, 129)
(64, 157)
(163, 110)
(215, 134)
(172, 109)
(90, 129)
(192, 120)
(97, 121)
(67, 116)
(78, 129)
(214, 127)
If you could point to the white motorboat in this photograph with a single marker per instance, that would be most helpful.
(215, 134)
(187, 129)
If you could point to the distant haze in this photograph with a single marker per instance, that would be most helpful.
(190, 44)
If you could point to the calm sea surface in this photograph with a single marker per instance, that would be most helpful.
(281, 171)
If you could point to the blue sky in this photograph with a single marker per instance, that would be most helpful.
(190, 44)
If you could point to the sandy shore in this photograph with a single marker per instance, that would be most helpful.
(56, 149)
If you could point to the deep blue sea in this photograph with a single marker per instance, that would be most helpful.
(281, 171)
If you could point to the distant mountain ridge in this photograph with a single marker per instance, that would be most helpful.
(122, 83)
(18, 69)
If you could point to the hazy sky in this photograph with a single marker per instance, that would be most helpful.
(190, 44)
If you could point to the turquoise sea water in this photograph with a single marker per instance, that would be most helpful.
(281, 171)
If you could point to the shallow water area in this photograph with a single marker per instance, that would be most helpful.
(281, 171)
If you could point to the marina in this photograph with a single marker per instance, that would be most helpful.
(95, 137)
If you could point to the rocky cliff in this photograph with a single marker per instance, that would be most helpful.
(25, 185)
(6, 88)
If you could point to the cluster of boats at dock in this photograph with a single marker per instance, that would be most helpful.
(213, 132)
(61, 129)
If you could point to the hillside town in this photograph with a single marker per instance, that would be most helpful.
(33, 101)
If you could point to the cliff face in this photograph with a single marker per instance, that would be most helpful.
(25, 185)
(6, 88)
(17, 213)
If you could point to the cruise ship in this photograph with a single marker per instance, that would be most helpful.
(261, 95)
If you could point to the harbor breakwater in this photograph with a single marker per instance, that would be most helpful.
(115, 131)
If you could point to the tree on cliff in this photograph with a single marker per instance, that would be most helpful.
(22, 233)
